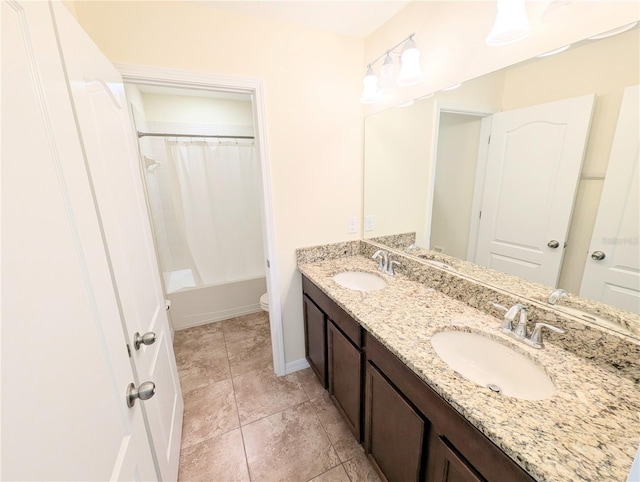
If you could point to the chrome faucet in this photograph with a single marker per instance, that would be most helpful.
(385, 264)
(520, 331)
(383, 260)
(557, 295)
(412, 247)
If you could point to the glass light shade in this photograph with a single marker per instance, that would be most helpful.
(410, 70)
(511, 23)
(370, 91)
(387, 76)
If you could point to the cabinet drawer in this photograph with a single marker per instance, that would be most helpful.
(340, 317)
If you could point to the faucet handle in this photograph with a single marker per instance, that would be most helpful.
(536, 335)
(509, 316)
(521, 329)
(381, 256)
(392, 263)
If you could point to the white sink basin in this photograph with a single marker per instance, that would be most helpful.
(360, 281)
(493, 365)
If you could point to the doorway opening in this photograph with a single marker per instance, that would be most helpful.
(204, 161)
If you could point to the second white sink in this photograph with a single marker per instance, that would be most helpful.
(359, 281)
(493, 365)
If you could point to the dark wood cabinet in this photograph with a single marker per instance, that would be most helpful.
(394, 431)
(315, 339)
(448, 465)
(410, 432)
(345, 374)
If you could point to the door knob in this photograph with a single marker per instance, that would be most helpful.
(598, 255)
(148, 338)
(145, 392)
(553, 244)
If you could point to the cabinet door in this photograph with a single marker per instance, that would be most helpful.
(394, 432)
(315, 339)
(345, 377)
(449, 465)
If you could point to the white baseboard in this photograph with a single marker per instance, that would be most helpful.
(212, 317)
(294, 366)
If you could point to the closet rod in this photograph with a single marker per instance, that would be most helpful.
(155, 134)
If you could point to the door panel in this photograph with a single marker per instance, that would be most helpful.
(615, 280)
(65, 367)
(345, 374)
(315, 328)
(535, 157)
(107, 134)
(394, 431)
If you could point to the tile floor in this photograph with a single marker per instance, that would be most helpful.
(241, 422)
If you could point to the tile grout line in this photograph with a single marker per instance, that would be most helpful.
(315, 412)
(235, 400)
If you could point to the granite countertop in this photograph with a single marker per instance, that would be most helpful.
(588, 431)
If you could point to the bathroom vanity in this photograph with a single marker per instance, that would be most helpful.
(418, 419)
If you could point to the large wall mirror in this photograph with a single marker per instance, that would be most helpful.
(509, 171)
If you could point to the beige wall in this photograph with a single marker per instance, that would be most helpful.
(314, 118)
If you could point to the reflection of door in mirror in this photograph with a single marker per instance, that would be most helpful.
(534, 161)
(612, 271)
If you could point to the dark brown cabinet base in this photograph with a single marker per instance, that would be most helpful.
(410, 432)
(394, 431)
(345, 371)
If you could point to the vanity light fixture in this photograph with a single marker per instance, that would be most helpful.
(511, 23)
(410, 71)
(615, 31)
(553, 52)
(370, 91)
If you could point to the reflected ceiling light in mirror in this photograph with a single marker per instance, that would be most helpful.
(553, 52)
(370, 91)
(453, 87)
(408, 103)
(410, 71)
(511, 23)
(615, 31)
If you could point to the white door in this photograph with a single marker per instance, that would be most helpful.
(534, 164)
(65, 368)
(108, 138)
(615, 279)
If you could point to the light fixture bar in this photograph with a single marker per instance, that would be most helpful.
(392, 49)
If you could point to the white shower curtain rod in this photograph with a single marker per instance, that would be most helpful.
(155, 134)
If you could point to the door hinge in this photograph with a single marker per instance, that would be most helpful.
(480, 215)
(489, 141)
(129, 350)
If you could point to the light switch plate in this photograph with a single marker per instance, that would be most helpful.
(352, 225)
(368, 223)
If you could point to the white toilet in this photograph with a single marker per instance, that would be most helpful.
(264, 302)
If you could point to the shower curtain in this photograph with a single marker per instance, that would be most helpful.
(217, 197)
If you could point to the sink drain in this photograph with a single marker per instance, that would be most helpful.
(494, 388)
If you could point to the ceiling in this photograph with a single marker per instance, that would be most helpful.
(358, 18)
